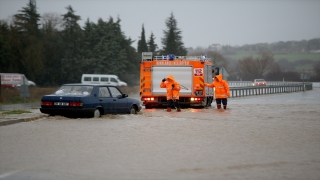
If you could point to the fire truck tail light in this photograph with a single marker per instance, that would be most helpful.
(195, 99)
(149, 99)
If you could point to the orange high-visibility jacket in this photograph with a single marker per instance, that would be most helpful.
(172, 93)
(221, 87)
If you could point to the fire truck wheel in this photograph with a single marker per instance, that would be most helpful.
(209, 101)
(204, 102)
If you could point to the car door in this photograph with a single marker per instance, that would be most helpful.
(106, 101)
(120, 104)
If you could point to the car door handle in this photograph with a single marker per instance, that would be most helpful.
(100, 100)
(114, 100)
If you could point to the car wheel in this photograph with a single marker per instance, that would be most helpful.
(96, 113)
(133, 110)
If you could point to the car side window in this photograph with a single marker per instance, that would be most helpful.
(115, 92)
(104, 92)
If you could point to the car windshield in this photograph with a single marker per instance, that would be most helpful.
(74, 90)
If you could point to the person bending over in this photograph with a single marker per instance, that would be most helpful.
(173, 92)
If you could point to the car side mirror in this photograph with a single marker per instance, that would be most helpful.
(124, 95)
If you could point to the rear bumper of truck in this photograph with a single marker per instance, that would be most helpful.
(162, 101)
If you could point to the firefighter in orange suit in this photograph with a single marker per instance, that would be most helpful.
(222, 91)
(173, 92)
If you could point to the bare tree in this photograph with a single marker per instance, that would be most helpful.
(265, 60)
(216, 58)
(316, 69)
(251, 68)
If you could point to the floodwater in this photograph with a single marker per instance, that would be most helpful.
(258, 137)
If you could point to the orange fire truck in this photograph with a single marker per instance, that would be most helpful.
(190, 71)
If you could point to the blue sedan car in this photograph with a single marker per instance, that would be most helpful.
(88, 99)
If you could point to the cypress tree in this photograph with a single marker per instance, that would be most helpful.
(27, 44)
(172, 40)
(142, 44)
(152, 46)
(73, 40)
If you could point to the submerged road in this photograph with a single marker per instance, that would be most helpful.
(258, 137)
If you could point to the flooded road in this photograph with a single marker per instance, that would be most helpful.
(258, 137)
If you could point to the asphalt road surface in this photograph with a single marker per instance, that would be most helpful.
(260, 137)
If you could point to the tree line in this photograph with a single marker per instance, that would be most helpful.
(261, 64)
(51, 55)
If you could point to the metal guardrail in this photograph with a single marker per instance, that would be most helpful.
(269, 89)
(249, 83)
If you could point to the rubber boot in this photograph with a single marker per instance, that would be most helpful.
(224, 106)
(179, 110)
(168, 109)
(218, 106)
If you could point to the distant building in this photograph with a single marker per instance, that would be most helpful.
(215, 47)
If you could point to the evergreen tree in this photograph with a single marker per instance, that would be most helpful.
(152, 46)
(142, 45)
(132, 73)
(5, 54)
(27, 44)
(91, 39)
(109, 52)
(172, 40)
(73, 43)
(53, 53)
(27, 20)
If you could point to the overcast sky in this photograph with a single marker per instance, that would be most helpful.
(202, 22)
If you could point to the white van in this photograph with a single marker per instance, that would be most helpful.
(108, 79)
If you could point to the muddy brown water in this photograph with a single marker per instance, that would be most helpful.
(265, 137)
